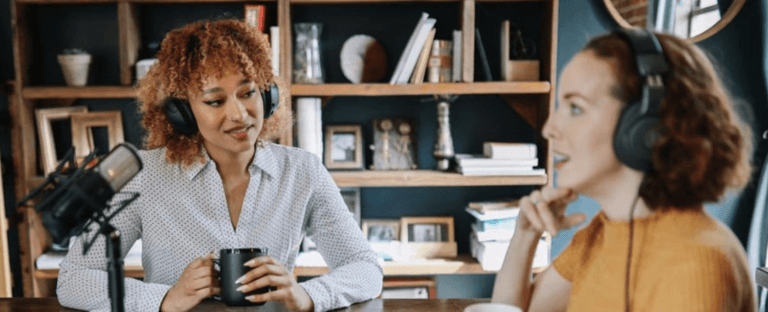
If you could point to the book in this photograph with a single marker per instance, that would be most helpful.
(274, 37)
(495, 209)
(497, 214)
(457, 69)
(491, 254)
(482, 57)
(508, 150)
(501, 171)
(421, 65)
(404, 55)
(477, 160)
(492, 235)
(413, 54)
(254, 15)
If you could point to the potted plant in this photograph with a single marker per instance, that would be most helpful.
(74, 65)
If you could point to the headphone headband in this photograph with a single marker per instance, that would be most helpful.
(639, 126)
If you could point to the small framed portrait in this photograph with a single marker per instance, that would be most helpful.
(343, 147)
(84, 124)
(381, 230)
(426, 229)
(351, 196)
(45, 119)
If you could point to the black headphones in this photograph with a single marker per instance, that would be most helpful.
(639, 126)
(180, 114)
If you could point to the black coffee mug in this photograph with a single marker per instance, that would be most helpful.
(231, 263)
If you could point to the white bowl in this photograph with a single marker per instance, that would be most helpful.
(491, 307)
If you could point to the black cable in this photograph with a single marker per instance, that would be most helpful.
(629, 253)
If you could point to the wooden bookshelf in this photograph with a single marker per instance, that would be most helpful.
(532, 101)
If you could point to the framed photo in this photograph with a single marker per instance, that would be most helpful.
(45, 117)
(381, 230)
(426, 229)
(343, 147)
(83, 124)
(351, 196)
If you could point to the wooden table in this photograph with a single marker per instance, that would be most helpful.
(441, 305)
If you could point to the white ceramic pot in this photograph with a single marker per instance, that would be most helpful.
(75, 68)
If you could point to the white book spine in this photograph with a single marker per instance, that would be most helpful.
(457, 57)
(308, 125)
(494, 171)
(408, 46)
(413, 54)
(509, 150)
(274, 37)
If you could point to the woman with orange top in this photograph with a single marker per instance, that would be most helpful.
(645, 127)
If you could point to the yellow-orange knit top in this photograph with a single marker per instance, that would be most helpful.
(681, 261)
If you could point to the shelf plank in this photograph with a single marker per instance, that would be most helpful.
(384, 89)
(370, 178)
(91, 92)
(463, 264)
(331, 89)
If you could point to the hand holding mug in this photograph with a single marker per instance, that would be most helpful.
(198, 281)
(267, 272)
(544, 210)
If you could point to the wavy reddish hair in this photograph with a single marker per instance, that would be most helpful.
(705, 146)
(192, 53)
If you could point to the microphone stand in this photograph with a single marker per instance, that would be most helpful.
(114, 268)
(114, 255)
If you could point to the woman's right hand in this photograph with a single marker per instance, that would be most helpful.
(544, 210)
(198, 281)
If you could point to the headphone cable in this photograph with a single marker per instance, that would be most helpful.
(629, 253)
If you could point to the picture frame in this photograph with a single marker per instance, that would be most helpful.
(381, 230)
(426, 229)
(343, 147)
(82, 134)
(45, 118)
(351, 196)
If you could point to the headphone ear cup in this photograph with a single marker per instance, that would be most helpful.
(180, 115)
(271, 100)
(635, 136)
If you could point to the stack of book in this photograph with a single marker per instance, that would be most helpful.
(501, 159)
(492, 229)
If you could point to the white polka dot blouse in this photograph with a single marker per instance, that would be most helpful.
(181, 214)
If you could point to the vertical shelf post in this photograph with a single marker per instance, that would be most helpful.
(130, 40)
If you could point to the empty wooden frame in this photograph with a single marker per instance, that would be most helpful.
(82, 136)
(45, 116)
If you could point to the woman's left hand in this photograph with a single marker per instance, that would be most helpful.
(268, 272)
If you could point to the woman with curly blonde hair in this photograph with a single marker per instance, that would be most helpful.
(645, 127)
(212, 180)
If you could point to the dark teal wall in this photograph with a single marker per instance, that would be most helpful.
(740, 49)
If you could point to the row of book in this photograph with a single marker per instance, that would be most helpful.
(501, 159)
(492, 229)
(414, 59)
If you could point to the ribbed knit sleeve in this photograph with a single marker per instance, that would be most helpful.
(705, 280)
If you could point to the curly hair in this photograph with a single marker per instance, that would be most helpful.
(705, 147)
(190, 54)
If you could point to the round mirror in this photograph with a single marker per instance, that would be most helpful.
(693, 19)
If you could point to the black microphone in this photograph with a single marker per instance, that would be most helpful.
(82, 193)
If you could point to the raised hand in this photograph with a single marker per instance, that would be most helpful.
(544, 210)
(198, 281)
(268, 272)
